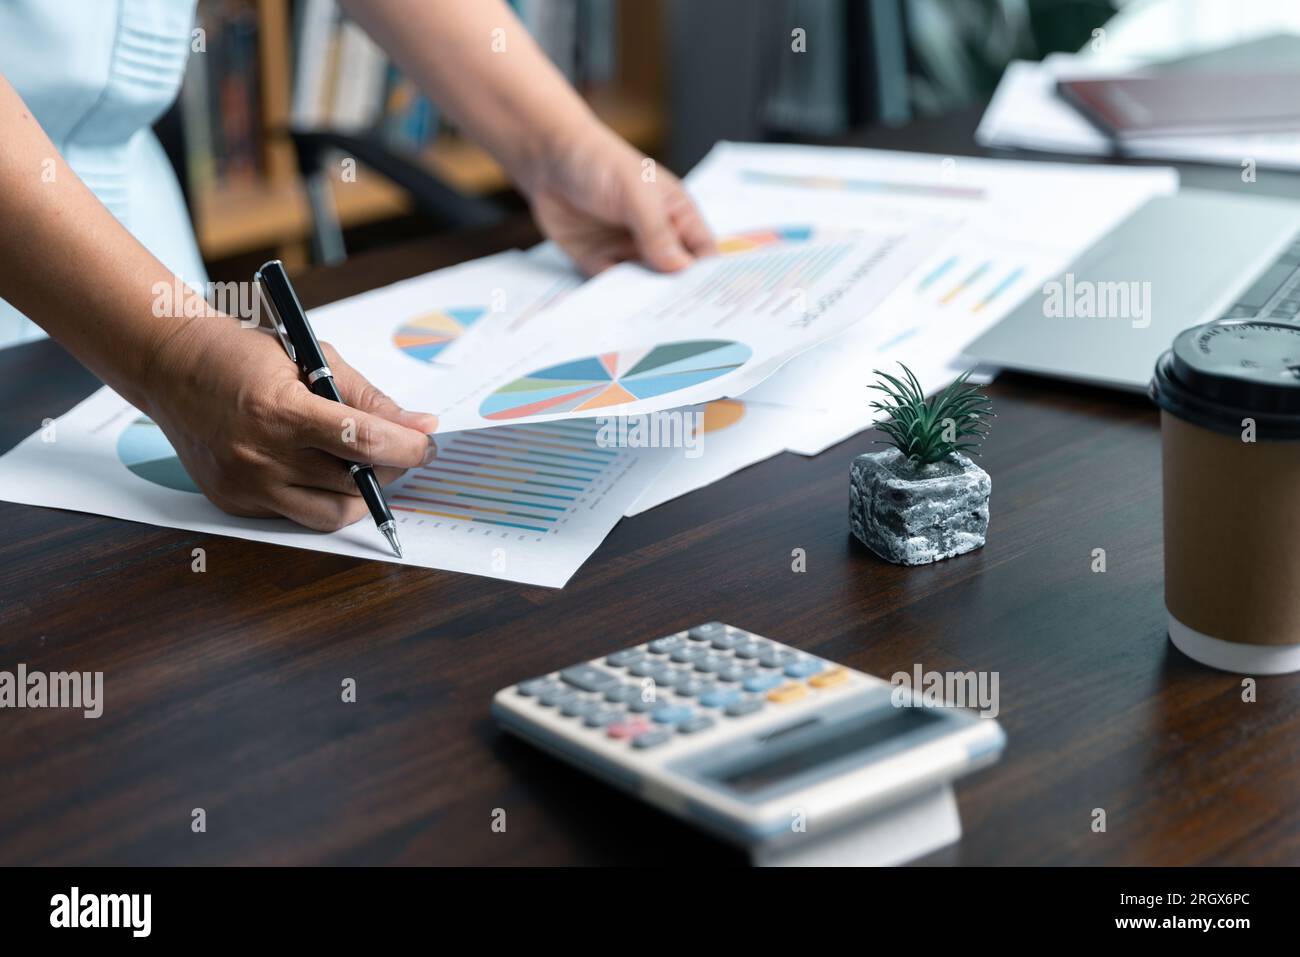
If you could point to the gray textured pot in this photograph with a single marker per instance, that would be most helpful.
(917, 516)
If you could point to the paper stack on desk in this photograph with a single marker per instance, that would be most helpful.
(833, 262)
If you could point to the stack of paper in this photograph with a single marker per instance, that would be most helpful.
(565, 405)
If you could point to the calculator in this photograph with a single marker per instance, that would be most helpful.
(745, 737)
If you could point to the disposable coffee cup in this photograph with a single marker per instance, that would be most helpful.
(1229, 395)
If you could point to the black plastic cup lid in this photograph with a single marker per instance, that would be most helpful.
(1220, 373)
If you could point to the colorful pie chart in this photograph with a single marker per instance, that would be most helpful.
(758, 238)
(145, 451)
(425, 336)
(596, 382)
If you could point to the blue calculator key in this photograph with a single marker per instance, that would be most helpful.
(733, 671)
(689, 686)
(558, 698)
(650, 739)
(535, 687)
(662, 646)
(695, 725)
(777, 658)
(601, 718)
(763, 682)
(671, 714)
(621, 694)
(719, 698)
(578, 707)
(642, 668)
(738, 709)
(711, 664)
(688, 653)
(707, 631)
(621, 659)
(641, 704)
(804, 668)
(664, 674)
(588, 678)
(726, 641)
(750, 648)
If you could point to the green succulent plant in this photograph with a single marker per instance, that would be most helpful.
(928, 430)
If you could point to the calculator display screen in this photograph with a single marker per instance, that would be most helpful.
(787, 756)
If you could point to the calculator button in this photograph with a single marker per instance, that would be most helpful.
(695, 725)
(671, 714)
(788, 693)
(802, 669)
(738, 709)
(762, 682)
(621, 659)
(642, 668)
(664, 675)
(556, 697)
(719, 698)
(601, 718)
(662, 646)
(621, 694)
(711, 663)
(578, 707)
(650, 739)
(628, 729)
(641, 704)
(777, 658)
(750, 648)
(587, 678)
(732, 671)
(726, 641)
(708, 631)
(538, 686)
(690, 686)
(829, 679)
(688, 653)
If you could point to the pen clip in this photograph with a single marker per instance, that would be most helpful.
(274, 314)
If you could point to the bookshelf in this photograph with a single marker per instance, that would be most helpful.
(268, 210)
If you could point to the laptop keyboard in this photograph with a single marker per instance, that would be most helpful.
(1275, 294)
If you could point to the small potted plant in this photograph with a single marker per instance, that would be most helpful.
(923, 500)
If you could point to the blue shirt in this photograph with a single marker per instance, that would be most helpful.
(97, 74)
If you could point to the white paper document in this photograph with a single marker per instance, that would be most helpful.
(526, 504)
(1013, 226)
(632, 341)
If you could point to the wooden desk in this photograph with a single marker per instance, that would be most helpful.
(220, 695)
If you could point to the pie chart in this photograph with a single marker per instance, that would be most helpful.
(758, 238)
(145, 451)
(425, 336)
(722, 413)
(613, 378)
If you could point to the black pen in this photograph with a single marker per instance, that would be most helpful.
(295, 332)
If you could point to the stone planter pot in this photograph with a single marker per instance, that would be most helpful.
(914, 516)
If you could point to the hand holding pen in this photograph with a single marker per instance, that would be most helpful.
(299, 341)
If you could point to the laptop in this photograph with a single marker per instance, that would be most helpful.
(1175, 262)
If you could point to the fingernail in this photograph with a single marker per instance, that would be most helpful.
(432, 452)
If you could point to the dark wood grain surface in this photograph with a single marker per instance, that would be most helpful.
(222, 689)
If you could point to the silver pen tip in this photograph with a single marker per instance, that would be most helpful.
(391, 535)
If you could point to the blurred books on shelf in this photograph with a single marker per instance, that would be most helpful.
(275, 65)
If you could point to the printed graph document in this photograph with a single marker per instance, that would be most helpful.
(733, 434)
(420, 327)
(632, 341)
(526, 504)
(1017, 224)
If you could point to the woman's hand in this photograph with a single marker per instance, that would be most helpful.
(604, 202)
(258, 443)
